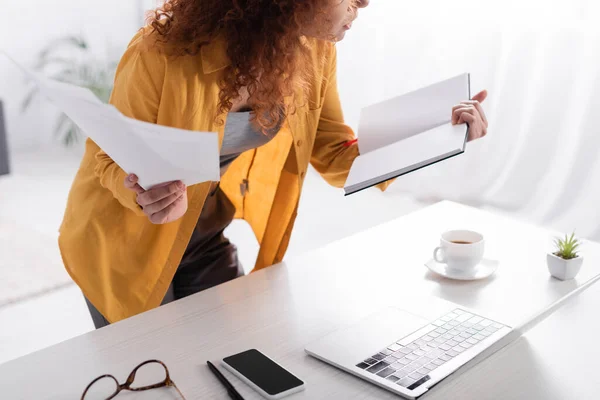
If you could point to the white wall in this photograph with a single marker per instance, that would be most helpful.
(28, 26)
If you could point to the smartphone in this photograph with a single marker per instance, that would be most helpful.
(262, 374)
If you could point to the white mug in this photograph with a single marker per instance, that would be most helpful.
(460, 249)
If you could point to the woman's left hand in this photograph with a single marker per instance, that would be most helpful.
(471, 112)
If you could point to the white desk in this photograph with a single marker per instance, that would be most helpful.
(284, 307)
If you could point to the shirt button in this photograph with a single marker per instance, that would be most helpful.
(299, 142)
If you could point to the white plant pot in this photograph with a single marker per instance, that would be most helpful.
(563, 269)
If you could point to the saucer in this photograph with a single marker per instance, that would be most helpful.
(484, 269)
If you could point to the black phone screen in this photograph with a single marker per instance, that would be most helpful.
(263, 372)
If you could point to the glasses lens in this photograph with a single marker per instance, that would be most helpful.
(148, 375)
(102, 389)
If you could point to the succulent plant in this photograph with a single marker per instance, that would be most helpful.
(567, 248)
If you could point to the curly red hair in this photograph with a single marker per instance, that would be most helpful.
(264, 43)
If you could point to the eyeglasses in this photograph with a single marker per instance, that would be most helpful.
(149, 372)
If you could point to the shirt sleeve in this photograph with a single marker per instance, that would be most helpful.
(335, 147)
(136, 94)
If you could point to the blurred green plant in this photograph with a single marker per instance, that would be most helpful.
(70, 60)
(567, 248)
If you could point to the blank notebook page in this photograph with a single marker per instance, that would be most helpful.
(401, 117)
(407, 153)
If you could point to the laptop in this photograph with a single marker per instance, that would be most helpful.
(408, 350)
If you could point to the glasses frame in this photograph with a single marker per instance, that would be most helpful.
(167, 382)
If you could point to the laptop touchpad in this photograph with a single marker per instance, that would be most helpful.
(368, 336)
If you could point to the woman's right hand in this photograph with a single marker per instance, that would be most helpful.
(163, 203)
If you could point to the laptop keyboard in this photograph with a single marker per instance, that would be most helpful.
(409, 364)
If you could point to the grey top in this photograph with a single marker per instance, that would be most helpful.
(240, 136)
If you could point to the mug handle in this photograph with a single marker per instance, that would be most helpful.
(439, 258)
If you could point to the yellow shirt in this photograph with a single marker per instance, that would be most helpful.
(121, 261)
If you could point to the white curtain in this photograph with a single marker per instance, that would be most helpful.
(539, 60)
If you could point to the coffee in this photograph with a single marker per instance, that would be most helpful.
(460, 249)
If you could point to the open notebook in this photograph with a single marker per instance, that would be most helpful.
(409, 132)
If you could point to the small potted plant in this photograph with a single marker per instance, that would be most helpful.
(565, 262)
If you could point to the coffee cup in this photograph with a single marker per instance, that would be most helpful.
(460, 249)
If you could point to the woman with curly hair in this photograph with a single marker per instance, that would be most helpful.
(260, 73)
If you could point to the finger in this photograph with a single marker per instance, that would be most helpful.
(466, 117)
(131, 183)
(477, 128)
(165, 184)
(158, 193)
(462, 105)
(456, 115)
(478, 107)
(161, 204)
(464, 110)
(481, 96)
(163, 217)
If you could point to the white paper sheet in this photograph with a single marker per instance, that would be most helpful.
(387, 122)
(155, 153)
(191, 155)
